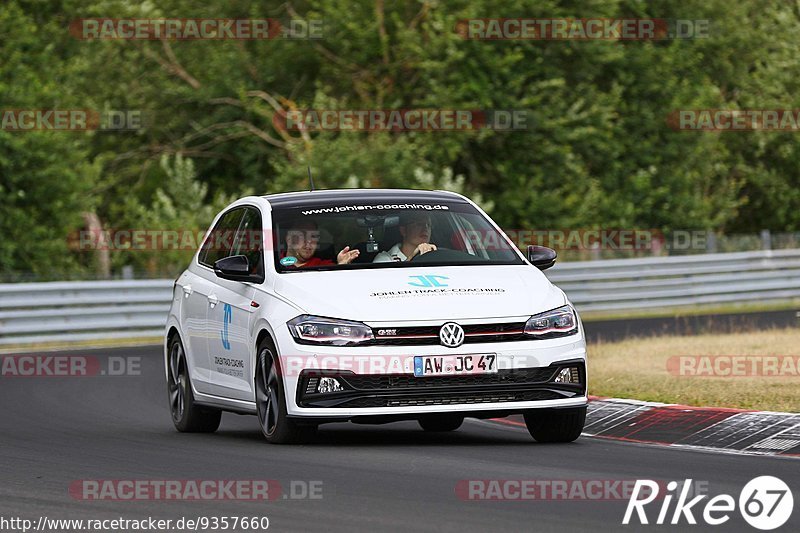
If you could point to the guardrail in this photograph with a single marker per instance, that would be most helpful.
(623, 284)
(83, 310)
(89, 310)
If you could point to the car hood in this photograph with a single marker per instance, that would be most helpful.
(419, 294)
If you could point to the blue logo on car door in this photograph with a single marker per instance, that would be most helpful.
(225, 321)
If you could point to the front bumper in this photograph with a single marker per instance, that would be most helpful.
(524, 380)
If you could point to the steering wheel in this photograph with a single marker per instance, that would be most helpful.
(444, 255)
(417, 257)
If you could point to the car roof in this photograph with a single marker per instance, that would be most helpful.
(328, 196)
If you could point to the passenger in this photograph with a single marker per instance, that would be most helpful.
(302, 241)
(415, 229)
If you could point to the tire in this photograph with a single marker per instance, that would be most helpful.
(187, 416)
(276, 426)
(441, 422)
(556, 425)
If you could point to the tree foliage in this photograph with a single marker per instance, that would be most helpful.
(599, 152)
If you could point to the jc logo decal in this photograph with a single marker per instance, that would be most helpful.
(427, 281)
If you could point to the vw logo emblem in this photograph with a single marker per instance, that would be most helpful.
(451, 335)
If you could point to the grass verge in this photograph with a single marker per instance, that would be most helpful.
(638, 369)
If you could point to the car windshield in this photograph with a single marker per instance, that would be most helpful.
(386, 235)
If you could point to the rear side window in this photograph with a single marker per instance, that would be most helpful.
(219, 242)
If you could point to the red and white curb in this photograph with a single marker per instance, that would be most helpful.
(680, 426)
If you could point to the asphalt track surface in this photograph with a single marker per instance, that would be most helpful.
(54, 431)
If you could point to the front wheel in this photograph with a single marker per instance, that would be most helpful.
(556, 425)
(187, 416)
(276, 426)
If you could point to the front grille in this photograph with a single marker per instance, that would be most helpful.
(429, 335)
(452, 399)
(405, 381)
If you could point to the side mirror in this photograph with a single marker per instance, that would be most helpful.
(235, 268)
(541, 257)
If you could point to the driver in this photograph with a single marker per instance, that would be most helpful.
(415, 228)
(302, 241)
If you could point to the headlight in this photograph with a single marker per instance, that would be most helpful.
(309, 329)
(559, 322)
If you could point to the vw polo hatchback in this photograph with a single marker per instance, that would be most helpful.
(371, 306)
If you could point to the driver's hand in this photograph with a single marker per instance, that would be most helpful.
(346, 255)
(423, 248)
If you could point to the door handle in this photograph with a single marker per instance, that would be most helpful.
(187, 290)
(213, 300)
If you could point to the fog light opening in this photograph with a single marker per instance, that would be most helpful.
(568, 374)
(329, 385)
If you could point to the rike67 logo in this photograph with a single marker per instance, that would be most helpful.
(765, 503)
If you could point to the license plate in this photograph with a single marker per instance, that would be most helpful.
(454, 365)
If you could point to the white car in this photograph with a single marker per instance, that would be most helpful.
(371, 306)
